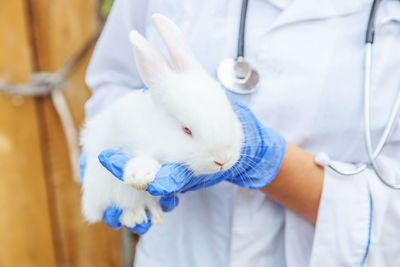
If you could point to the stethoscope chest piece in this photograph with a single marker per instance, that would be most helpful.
(237, 76)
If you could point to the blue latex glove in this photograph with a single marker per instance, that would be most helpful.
(260, 160)
(112, 213)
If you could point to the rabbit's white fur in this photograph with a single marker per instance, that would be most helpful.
(148, 126)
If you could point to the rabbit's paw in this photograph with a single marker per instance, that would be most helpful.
(137, 215)
(130, 218)
(139, 172)
(156, 213)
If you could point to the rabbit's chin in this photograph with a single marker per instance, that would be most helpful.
(208, 166)
(210, 170)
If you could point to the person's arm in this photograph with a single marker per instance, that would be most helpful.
(298, 184)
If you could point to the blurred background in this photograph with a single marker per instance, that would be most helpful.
(40, 115)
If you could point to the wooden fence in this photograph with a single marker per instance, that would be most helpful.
(40, 219)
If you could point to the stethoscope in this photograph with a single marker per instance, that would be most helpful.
(237, 76)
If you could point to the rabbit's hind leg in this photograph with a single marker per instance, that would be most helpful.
(140, 171)
(96, 194)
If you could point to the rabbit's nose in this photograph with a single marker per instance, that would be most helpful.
(219, 163)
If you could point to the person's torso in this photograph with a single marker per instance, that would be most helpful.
(309, 55)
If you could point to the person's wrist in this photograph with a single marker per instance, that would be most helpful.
(274, 155)
(298, 183)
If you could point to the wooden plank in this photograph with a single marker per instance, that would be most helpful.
(60, 29)
(26, 237)
(15, 53)
(81, 244)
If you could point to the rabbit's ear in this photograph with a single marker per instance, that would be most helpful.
(175, 41)
(152, 65)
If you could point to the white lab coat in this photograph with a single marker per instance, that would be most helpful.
(309, 54)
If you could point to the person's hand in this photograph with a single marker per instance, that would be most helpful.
(260, 160)
(262, 151)
(112, 213)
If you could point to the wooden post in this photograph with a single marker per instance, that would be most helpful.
(40, 218)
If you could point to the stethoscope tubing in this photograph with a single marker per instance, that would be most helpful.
(242, 30)
(389, 126)
(240, 86)
(372, 155)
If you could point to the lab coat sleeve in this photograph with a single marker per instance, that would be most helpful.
(358, 218)
(112, 71)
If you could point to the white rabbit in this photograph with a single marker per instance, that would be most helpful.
(184, 117)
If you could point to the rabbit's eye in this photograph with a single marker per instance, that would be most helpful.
(187, 131)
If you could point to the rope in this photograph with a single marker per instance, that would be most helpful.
(52, 84)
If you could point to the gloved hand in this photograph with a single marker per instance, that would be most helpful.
(112, 213)
(260, 161)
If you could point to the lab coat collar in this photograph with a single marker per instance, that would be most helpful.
(303, 10)
(388, 11)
